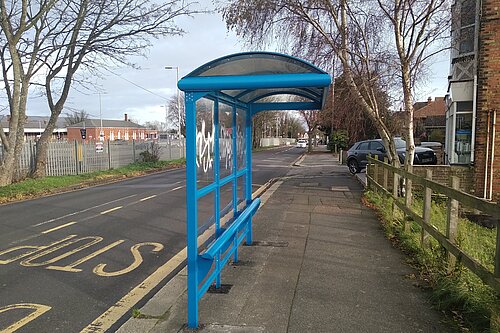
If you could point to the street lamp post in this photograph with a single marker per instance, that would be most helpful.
(178, 98)
(101, 132)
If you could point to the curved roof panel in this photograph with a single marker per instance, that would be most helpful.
(255, 63)
(251, 76)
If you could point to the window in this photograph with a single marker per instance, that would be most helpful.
(468, 13)
(363, 146)
(463, 137)
(467, 26)
(466, 40)
(464, 106)
(374, 145)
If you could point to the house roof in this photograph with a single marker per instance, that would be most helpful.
(35, 122)
(96, 123)
(430, 108)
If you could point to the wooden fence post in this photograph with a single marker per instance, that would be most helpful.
(452, 222)
(395, 185)
(386, 173)
(375, 173)
(426, 214)
(367, 173)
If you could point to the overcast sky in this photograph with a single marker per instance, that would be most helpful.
(206, 39)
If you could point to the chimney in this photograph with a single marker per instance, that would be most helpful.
(429, 100)
(126, 117)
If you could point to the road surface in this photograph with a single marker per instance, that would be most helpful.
(66, 259)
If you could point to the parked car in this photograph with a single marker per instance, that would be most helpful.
(358, 153)
(301, 143)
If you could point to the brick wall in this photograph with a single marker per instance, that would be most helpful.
(488, 98)
(440, 174)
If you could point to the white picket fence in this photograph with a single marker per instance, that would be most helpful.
(72, 158)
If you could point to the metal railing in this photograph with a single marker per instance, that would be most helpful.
(73, 157)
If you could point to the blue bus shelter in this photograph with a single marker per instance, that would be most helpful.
(221, 97)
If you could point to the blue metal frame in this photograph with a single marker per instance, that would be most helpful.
(205, 266)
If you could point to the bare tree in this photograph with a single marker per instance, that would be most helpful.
(76, 117)
(59, 39)
(312, 120)
(354, 32)
(347, 113)
(418, 27)
(322, 30)
(155, 125)
(173, 114)
(19, 64)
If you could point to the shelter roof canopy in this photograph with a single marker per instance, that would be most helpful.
(251, 76)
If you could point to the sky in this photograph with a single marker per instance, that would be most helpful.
(206, 39)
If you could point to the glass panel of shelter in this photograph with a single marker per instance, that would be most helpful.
(205, 109)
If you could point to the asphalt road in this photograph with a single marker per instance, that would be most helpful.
(66, 259)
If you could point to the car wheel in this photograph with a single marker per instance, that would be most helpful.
(353, 166)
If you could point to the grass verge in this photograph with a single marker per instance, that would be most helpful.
(31, 188)
(461, 295)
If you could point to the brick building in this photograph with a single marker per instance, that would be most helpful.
(112, 130)
(430, 120)
(473, 100)
(35, 125)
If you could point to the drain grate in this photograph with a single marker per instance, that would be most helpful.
(340, 189)
(224, 289)
(270, 243)
(309, 184)
(242, 263)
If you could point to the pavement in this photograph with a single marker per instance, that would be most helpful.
(320, 263)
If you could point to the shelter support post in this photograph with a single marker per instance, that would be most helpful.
(192, 212)
(248, 182)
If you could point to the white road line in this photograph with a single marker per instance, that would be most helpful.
(272, 166)
(147, 198)
(59, 227)
(82, 211)
(111, 210)
(177, 188)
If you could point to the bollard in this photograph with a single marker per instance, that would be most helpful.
(426, 214)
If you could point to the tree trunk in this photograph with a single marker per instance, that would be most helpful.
(309, 140)
(407, 97)
(7, 168)
(42, 146)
